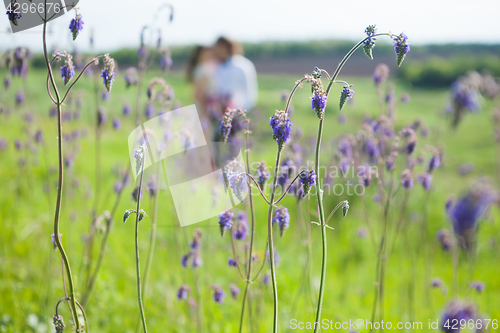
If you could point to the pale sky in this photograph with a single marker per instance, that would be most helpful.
(118, 23)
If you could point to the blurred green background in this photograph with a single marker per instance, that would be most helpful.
(30, 274)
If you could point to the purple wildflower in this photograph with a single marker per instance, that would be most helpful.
(13, 12)
(102, 118)
(105, 95)
(307, 179)
(319, 104)
(380, 75)
(282, 217)
(342, 119)
(165, 62)
(406, 179)
(464, 97)
(39, 137)
(231, 262)
(456, 312)
(19, 97)
(67, 71)
(235, 291)
(434, 163)
(346, 93)
(282, 128)
(6, 82)
(286, 171)
(182, 292)
(445, 239)
(118, 186)
(117, 124)
(365, 175)
(425, 179)
(362, 232)
(126, 110)
(149, 111)
(131, 77)
(76, 25)
(135, 196)
(225, 221)
(344, 165)
(185, 260)
(345, 148)
(226, 124)
(263, 175)
(197, 261)
(478, 286)
(18, 144)
(241, 231)
(107, 73)
(372, 150)
(218, 294)
(467, 211)
(237, 183)
(437, 283)
(369, 42)
(196, 242)
(401, 47)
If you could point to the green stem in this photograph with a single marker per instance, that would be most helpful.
(271, 244)
(252, 234)
(320, 195)
(323, 228)
(379, 272)
(137, 262)
(60, 183)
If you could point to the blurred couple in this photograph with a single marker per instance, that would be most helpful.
(222, 78)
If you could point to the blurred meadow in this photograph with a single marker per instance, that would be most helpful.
(31, 268)
(415, 152)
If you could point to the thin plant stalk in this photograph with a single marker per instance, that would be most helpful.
(57, 214)
(322, 226)
(382, 245)
(137, 262)
(252, 233)
(319, 186)
(271, 243)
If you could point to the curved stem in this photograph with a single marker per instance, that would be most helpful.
(79, 75)
(323, 226)
(334, 210)
(347, 56)
(381, 255)
(258, 187)
(288, 188)
(293, 92)
(320, 194)
(137, 262)
(271, 244)
(84, 317)
(60, 181)
(252, 233)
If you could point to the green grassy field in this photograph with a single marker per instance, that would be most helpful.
(30, 274)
